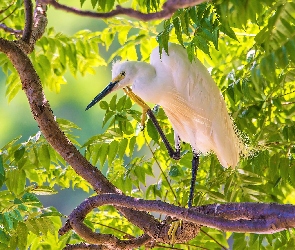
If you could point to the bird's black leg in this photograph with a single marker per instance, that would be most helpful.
(175, 154)
(195, 166)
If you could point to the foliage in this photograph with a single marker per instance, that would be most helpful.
(249, 48)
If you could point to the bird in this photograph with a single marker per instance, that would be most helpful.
(189, 97)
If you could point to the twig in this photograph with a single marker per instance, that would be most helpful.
(209, 236)
(8, 15)
(10, 30)
(168, 9)
(162, 171)
(3, 10)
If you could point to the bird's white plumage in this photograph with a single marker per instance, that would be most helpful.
(190, 98)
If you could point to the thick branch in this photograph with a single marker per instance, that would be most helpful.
(233, 217)
(168, 9)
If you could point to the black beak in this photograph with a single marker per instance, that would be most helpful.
(102, 94)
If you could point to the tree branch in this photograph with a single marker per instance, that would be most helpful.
(27, 44)
(233, 217)
(7, 7)
(10, 30)
(9, 13)
(168, 9)
(83, 246)
(29, 21)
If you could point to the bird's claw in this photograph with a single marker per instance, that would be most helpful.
(173, 229)
(140, 102)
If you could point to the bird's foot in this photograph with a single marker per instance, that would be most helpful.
(175, 155)
(175, 225)
(140, 102)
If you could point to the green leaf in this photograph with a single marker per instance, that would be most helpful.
(95, 153)
(174, 171)
(267, 66)
(33, 226)
(22, 235)
(178, 30)
(44, 156)
(15, 214)
(184, 19)
(16, 180)
(82, 2)
(112, 104)
(103, 105)
(13, 86)
(43, 190)
(44, 64)
(18, 154)
(7, 221)
(103, 152)
(4, 238)
(121, 103)
(140, 174)
(122, 147)
(131, 145)
(290, 45)
(66, 124)
(228, 31)
(94, 3)
(31, 199)
(110, 4)
(202, 44)
(122, 35)
(152, 131)
(2, 171)
(190, 50)
(108, 115)
(113, 149)
(163, 37)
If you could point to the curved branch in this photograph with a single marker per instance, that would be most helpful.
(168, 9)
(233, 217)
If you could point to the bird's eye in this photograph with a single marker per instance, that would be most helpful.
(123, 73)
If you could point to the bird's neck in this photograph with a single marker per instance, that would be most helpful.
(146, 82)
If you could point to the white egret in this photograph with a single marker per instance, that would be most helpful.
(190, 98)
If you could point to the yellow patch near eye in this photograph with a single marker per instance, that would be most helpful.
(120, 77)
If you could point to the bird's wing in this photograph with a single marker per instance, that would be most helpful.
(194, 105)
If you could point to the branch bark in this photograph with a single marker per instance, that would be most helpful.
(232, 217)
(168, 9)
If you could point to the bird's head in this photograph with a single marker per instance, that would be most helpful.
(123, 74)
